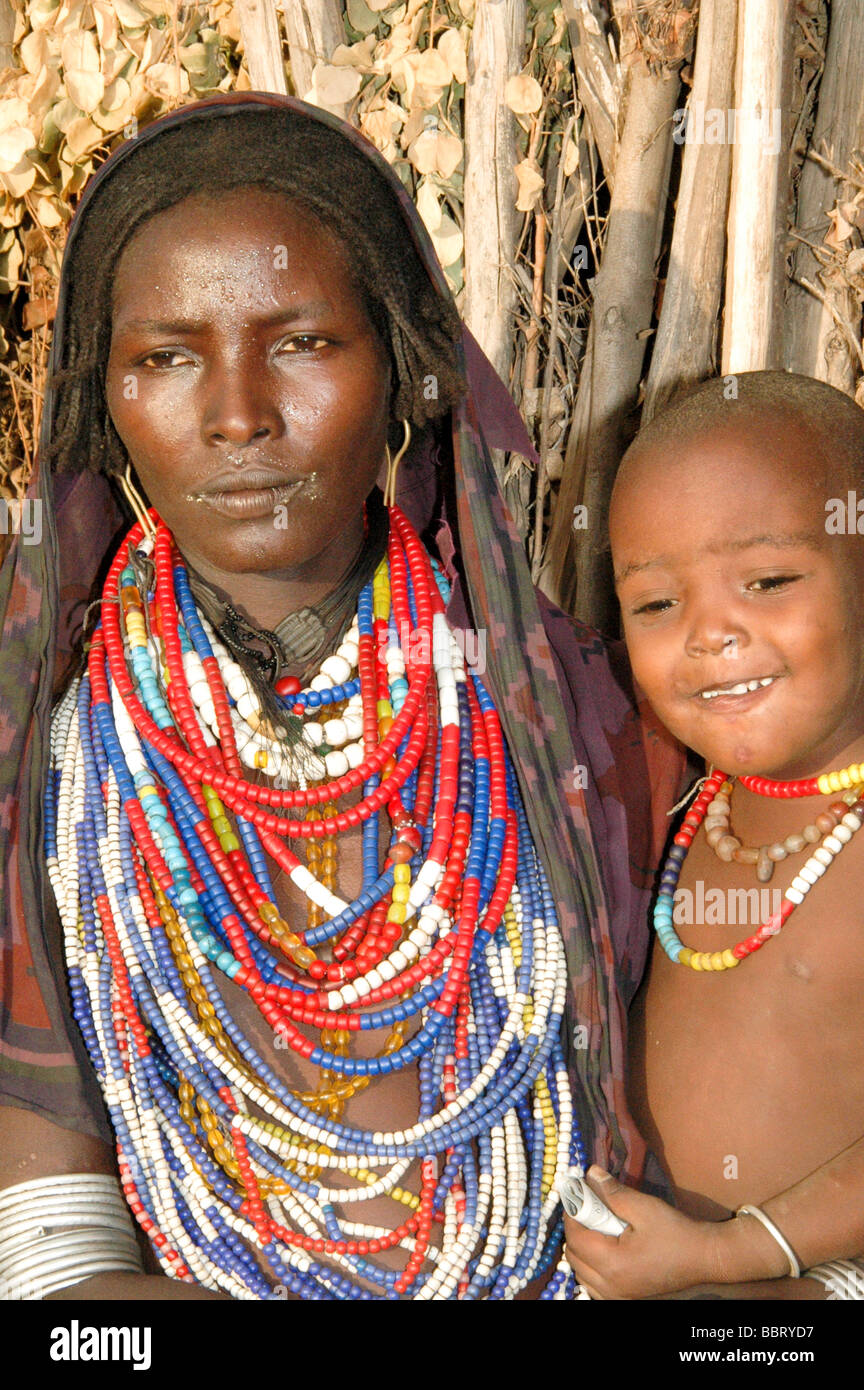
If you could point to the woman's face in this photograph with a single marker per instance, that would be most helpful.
(248, 386)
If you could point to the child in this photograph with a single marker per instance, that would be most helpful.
(743, 613)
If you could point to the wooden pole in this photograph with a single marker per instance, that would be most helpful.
(7, 33)
(686, 341)
(597, 82)
(620, 323)
(491, 219)
(755, 275)
(817, 339)
(259, 25)
(313, 28)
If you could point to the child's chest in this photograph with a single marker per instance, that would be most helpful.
(746, 1079)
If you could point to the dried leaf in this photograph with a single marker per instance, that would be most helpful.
(354, 55)
(84, 81)
(530, 181)
(39, 311)
(854, 266)
(423, 152)
(83, 135)
(41, 12)
(430, 69)
(13, 112)
(130, 15)
(117, 62)
(106, 23)
(449, 154)
(64, 113)
(360, 17)
(447, 240)
(452, 49)
(166, 80)
(116, 95)
(42, 95)
(571, 157)
(333, 87)
(39, 49)
(428, 206)
(48, 213)
(11, 261)
(434, 152)
(523, 94)
(14, 143)
(840, 230)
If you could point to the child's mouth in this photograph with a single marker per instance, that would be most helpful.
(735, 688)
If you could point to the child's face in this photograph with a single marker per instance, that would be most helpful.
(726, 577)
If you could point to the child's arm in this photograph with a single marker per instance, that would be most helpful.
(664, 1252)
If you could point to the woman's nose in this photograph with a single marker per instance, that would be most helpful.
(240, 407)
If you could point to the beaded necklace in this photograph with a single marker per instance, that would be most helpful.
(455, 936)
(846, 821)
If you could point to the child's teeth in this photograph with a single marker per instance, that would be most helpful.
(743, 688)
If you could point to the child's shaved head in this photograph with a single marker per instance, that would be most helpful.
(743, 613)
(731, 400)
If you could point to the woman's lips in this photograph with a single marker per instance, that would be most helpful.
(249, 503)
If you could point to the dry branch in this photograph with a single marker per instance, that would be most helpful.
(755, 275)
(597, 79)
(814, 343)
(492, 221)
(259, 24)
(684, 349)
(314, 29)
(623, 302)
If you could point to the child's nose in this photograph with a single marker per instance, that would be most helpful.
(712, 634)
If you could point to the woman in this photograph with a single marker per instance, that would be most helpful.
(251, 318)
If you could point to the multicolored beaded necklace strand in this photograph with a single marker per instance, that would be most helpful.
(846, 816)
(452, 945)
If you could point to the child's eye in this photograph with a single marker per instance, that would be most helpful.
(654, 606)
(773, 582)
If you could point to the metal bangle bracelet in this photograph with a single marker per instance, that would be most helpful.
(758, 1213)
(66, 1184)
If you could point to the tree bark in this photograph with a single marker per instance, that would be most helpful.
(597, 80)
(7, 33)
(313, 28)
(686, 342)
(492, 221)
(259, 24)
(815, 343)
(755, 273)
(620, 322)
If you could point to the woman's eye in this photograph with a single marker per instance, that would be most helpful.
(164, 357)
(303, 342)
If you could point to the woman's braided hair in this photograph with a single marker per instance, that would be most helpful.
(311, 164)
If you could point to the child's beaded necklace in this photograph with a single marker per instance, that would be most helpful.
(848, 817)
(457, 930)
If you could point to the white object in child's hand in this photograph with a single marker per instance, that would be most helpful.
(582, 1203)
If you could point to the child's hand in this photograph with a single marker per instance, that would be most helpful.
(661, 1252)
